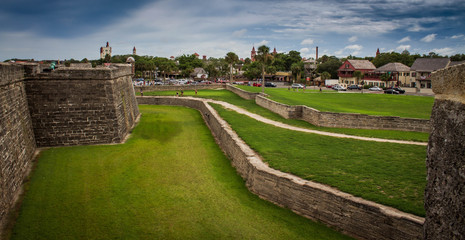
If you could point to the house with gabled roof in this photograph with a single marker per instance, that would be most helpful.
(398, 75)
(346, 71)
(421, 70)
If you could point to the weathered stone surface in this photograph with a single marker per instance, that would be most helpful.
(178, 87)
(17, 144)
(64, 107)
(343, 120)
(243, 94)
(445, 191)
(81, 106)
(352, 215)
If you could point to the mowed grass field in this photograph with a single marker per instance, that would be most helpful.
(251, 106)
(169, 181)
(386, 173)
(346, 102)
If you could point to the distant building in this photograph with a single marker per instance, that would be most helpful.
(253, 53)
(399, 75)
(346, 71)
(134, 51)
(104, 51)
(421, 70)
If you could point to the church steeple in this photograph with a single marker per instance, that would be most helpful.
(274, 51)
(134, 51)
(252, 54)
(377, 52)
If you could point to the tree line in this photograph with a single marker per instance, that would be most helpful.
(266, 62)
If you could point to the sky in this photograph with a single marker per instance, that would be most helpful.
(57, 29)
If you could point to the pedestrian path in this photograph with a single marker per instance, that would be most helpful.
(287, 126)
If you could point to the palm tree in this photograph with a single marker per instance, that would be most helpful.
(264, 58)
(296, 69)
(359, 76)
(231, 58)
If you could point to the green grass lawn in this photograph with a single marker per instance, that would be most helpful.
(251, 106)
(346, 102)
(169, 181)
(390, 174)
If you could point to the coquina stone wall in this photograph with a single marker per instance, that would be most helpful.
(352, 215)
(66, 106)
(445, 191)
(17, 144)
(71, 106)
(242, 93)
(344, 120)
(186, 87)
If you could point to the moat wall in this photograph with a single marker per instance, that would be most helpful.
(352, 215)
(17, 143)
(66, 106)
(343, 120)
(445, 191)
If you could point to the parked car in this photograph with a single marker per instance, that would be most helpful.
(398, 89)
(375, 88)
(270, 84)
(352, 87)
(339, 88)
(297, 85)
(257, 84)
(391, 91)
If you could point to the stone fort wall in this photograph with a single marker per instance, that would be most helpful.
(17, 143)
(354, 216)
(67, 106)
(445, 190)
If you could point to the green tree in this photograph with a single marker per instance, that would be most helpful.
(252, 70)
(265, 59)
(385, 78)
(297, 69)
(325, 75)
(358, 75)
(231, 58)
(331, 66)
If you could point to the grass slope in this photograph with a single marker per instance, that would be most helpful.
(372, 104)
(251, 106)
(390, 174)
(169, 181)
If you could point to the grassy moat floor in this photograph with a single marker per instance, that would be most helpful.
(169, 181)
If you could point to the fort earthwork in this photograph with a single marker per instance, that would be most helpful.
(82, 105)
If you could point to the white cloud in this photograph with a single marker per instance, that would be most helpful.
(239, 33)
(458, 36)
(263, 42)
(443, 51)
(304, 50)
(403, 47)
(354, 47)
(405, 39)
(307, 41)
(429, 38)
(353, 39)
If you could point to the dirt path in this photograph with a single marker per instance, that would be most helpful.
(286, 126)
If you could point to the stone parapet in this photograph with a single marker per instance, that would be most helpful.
(343, 120)
(187, 87)
(242, 93)
(82, 106)
(445, 190)
(352, 215)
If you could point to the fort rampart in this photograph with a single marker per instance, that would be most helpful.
(335, 120)
(445, 191)
(187, 87)
(352, 215)
(66, 106)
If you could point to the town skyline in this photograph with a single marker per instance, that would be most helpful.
(57, 30)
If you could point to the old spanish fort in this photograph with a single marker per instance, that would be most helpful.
(232, 120)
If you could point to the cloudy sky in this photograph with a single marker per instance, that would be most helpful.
(60, 29)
